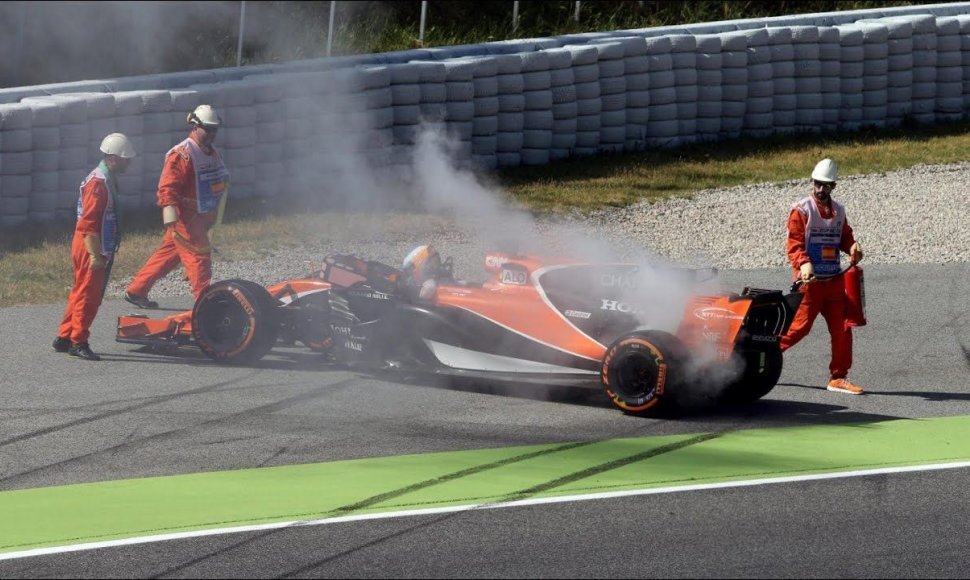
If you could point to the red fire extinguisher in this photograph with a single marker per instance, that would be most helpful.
(855, 295)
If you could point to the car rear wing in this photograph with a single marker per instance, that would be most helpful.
(722, 322)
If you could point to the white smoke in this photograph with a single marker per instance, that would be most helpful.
(443, 186)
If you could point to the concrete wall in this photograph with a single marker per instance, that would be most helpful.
(287, 127)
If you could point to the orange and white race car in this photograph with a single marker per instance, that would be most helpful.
(532, 317)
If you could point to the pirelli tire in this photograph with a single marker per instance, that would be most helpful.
(643, 371)
(235, 321)
(758, 376)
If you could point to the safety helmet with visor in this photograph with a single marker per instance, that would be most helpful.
(421, 264)
(826, 172)
(205, 116)
(118, 144)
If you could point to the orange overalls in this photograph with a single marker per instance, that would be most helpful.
(825, 297)
(96, 214)
(187, 240)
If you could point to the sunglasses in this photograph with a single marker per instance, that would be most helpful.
(824, 185)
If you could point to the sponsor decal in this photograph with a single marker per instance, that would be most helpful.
(243, 302)
(517, 277)
(712, 336)
(492, 261)
(764, 338)
(617, 306)
(578, 314)
(371, 294)
(828, 231)
(627, 281)
(716, 313)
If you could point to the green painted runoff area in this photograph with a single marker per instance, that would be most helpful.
(101, 511)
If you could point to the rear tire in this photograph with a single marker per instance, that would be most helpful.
(235, 321)
(762, 369)
(643, 371)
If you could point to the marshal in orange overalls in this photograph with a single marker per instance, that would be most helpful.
(96, 216)
(189, 169)
(825, 297)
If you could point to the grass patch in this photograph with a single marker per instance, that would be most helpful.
(618, 180)
(35, 263)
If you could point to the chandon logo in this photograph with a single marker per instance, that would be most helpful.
(714, 313)
(626, 281)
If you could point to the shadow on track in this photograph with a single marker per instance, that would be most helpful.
(925, 395)
(587, 393)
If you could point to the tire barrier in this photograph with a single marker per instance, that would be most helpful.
(925, 43)
(875, 74)
(949, 70)
(537, 117)
(965, 58)
(709, 87)
(511, 105)
(662, 126)
(830, 55)
(784, 100)
(759, 103)
(506, 103)
(485, 109)
(734, 83)
(562, 84)
(808, 79)
(683, 57)
(852, 70)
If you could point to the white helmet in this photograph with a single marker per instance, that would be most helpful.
(826, 170)
(118, 144)
(204, 116)
(422, 263)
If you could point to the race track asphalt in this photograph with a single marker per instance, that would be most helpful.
(139, 414)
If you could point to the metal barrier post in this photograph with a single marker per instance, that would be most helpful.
(424, 18)
(576, 17)
(242, 32)
(18, 58)
(515, 16)
(333, 10)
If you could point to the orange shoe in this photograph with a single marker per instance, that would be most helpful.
(844, 386)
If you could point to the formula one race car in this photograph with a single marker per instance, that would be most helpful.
(554, 319)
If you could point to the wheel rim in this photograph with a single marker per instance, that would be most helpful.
(224, 323)
(636, 375)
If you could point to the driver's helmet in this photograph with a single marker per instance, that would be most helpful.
(421, 264)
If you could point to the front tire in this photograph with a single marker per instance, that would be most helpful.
(643, 371)
(235, 321)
